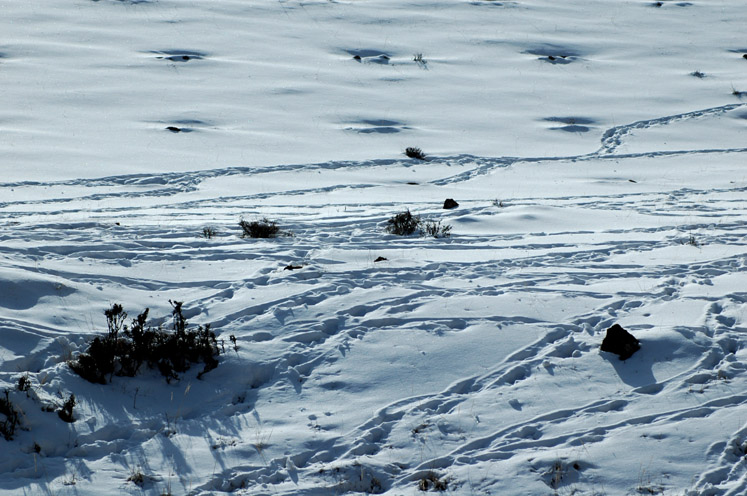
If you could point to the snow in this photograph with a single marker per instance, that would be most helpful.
(596, 150)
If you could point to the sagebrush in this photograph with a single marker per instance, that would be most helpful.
(125, 349)
(259, 228)
(406, 224)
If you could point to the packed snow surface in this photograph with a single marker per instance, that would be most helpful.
(597, 152)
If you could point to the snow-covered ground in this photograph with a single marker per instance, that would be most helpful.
(596, 150)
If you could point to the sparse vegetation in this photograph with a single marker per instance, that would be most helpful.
(406, 224)
(24, 383)
(259, 228)
(209, 232)
(432, 481)
(125, 349)
(415, 153)
(435, 229)
(691, 240)
(698, 74)
(418, 59)
(8, 426)
(66, 412)
(136, 477)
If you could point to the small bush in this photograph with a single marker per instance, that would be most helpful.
(66, 412)
(431, 481)
(692, 241)
(24, 383)
(403, 224)
(209, 232)
(8, 426)
(137, 477)
(406, 224)
(418, 59)
(416, 153)
(259, 229)
(435, 229)
(124, 350)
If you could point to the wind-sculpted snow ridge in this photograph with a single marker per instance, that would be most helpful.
(471, 362)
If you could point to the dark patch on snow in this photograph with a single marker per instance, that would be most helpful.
(554, 54)
(370, 56)
(179, 55)
(378, 126)
(572, 124)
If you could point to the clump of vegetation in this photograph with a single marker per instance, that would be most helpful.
(692, 241)
(435, 229)
(403, 224)
(406, 224)
(432, 481)
(137, 477)
(124, 349)
(259, 228)
(418, 59)
(698, 74)
(66, 412)
(209, 232)
(416, 153)
(24, 383)
(8, 426)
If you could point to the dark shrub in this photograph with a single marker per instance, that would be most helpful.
(8, 426)
(413, 152)
(403, 224)
(125, 349)
(66, 412)
(259, 228)
(24, 383)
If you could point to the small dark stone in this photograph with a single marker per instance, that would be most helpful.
(380, 259)
(551, 57)
(744, 56)
(450, 203)
(658, 4)
(357, 57)
(174, 129)
(620, 342)
(292, 267)
(632, 181)
(185, 57)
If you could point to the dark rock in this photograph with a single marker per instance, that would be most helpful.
(292, 267)
(380, 259)
(174, 129)
(620, 342)
(450, 203)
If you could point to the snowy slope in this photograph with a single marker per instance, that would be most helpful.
(599, 182)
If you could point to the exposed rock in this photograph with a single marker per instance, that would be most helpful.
(380, 259)
(620, 342)
(450, 203)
